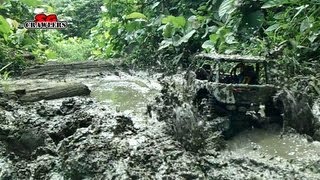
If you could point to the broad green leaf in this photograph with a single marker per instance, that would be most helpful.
(13, 23)
(167, 19)
(168, 31)
(300, 8)
(4, 27)
(208, 45)
(177, 58)
(272, 28)
(313, 38)
(226, 7)
(106, 35)
(214, 37)
(274, 3)
(32, 3)
(193, 22)
(132, 26)
(20, 35)
(305, 25)
(96, 52)
(222, 31)
(186, 37)
(28, 41)
(114, 31)
(280, 16)
(136, 15)
(50, 54)
(165, 43)
(230, 39)
(177, 22)
(155, 5)
(202, 8)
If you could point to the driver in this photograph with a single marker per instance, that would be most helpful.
(247, 74)
(237, 78)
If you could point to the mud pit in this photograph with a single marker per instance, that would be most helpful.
(109, 136)
(126, 93)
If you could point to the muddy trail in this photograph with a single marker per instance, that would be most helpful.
(108, 133)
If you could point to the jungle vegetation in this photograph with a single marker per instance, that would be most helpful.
(166, 34)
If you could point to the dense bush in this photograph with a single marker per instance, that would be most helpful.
(71, 49)
(81, 15)
(17, 44)
(166, 34)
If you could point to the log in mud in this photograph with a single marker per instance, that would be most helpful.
(61, 69)
(31, 91)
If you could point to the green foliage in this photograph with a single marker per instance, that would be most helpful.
(166, 34)
(176, 22)
(274, 3)
(4, 75)
(32, 3)
(175, 32)
(16, 10)
(71, 49)
(81, 15)
(150, 34)
(5, 28)
(226, 8)
(11, 56)
(17, 45)
(119, 33)
(296, 31)
(136, 15)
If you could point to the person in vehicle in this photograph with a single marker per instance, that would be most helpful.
(233, 73)
(247, 74)
(204, 73)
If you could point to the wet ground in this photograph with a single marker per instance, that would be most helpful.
(272, 143)
(110, 136)
(126, 93)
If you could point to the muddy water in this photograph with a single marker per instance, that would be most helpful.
(124, 93)
(272, 143)
(132, 93)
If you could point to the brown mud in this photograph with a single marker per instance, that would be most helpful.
(111, 135)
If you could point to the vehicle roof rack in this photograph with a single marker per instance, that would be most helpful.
(234, 58)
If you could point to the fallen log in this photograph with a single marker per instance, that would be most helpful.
(32, 91)
(58, 68)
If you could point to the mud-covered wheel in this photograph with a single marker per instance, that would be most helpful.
(274, 111)
(201, 100)
(295, 111)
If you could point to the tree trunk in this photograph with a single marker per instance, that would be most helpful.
(42, 90)
(61, 69)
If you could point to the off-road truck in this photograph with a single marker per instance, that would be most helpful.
(213, 85)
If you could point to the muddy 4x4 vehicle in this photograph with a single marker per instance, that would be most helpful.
(232, 85)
